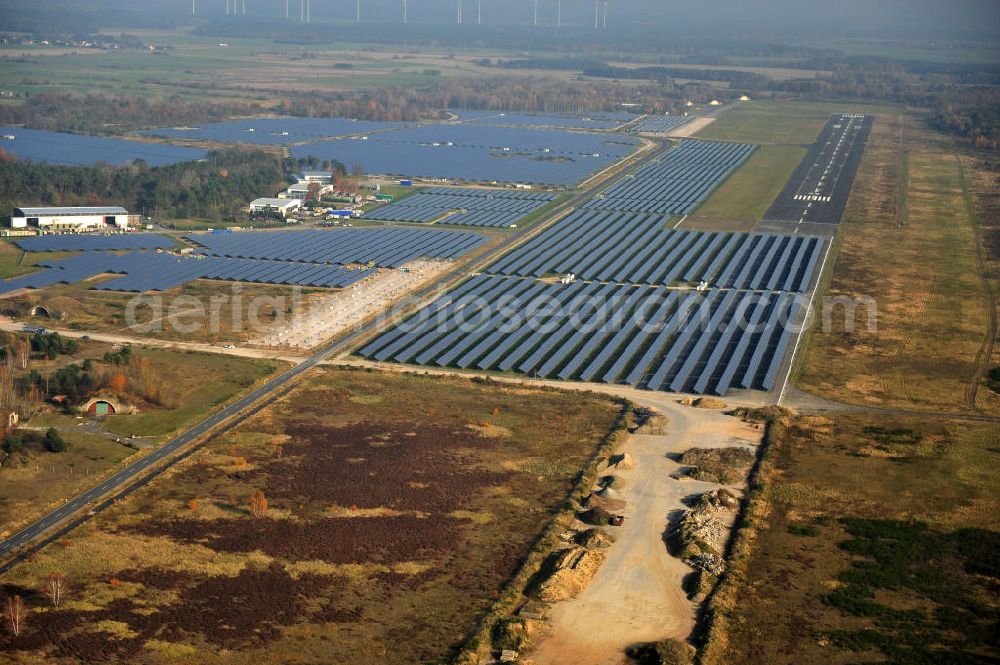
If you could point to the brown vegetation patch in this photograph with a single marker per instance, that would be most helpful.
(402, 466)
(334, 540)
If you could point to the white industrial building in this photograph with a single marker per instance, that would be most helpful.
(71, 219)
(300, 190)
(283, 207)
(322, 177)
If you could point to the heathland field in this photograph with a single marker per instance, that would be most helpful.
(390, 510)
(875, 541)
(914, 257)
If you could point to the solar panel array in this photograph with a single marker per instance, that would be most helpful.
(660, 123)
(468, 207)
(678, 182)
(637, 248)
(479, 153)
(153, 271)
(82, 243)
(592, 120)
(637, 335)
(77, 149)
(386, 247)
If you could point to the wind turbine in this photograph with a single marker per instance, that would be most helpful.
(479, 14)
(357, 17)
(536, 14)
(404, 11)
(459, 11)
(605, 14)
(558, 14)
(597, 12)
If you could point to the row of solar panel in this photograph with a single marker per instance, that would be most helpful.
(387, 247)
(636, 248)
(514, 194)
(483, 211)
(444, 203)
(678, 182)
(146, 271)
(661, 123)
(86, 243)
(701, 342)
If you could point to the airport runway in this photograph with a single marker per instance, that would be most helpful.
(818, 189)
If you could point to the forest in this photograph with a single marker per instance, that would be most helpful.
(216, 189)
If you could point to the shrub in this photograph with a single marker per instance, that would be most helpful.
(54, 442)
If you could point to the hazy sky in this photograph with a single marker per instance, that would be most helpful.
(784, 18)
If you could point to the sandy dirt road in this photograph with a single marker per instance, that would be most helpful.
(10, 325)
(637, 594)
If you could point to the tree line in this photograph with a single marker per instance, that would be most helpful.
(217, 188)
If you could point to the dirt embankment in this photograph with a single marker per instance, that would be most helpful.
(644, 590)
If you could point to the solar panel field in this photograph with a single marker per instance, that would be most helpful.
(636, 248)
(678, 182)
(273, 131)
(479, 153)
(653, 338)
(79, 150)
(386, 247)
(660, 124)
(595, 120)
(467, 207)
(150, 271)
(84, 243)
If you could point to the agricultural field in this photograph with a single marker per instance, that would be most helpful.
(879, 545)
(749, 191)
(389, 511)
(922, 276)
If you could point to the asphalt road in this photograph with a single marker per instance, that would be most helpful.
(23, 543)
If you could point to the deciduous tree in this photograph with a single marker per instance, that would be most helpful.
(55, 587)
(15, 613)
(258, 504)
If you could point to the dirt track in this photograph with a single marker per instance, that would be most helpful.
(637, 594)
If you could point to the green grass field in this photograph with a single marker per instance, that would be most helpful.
(30, 486)
(779, 122)
(200, 383)
(747, 193)
(15, 262)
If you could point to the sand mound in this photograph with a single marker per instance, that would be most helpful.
(606, 503)
(718, 465)
(573, 569)
(621, 461)
(703, 402)
(595, 539)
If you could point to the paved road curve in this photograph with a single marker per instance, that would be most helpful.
(137, 471)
